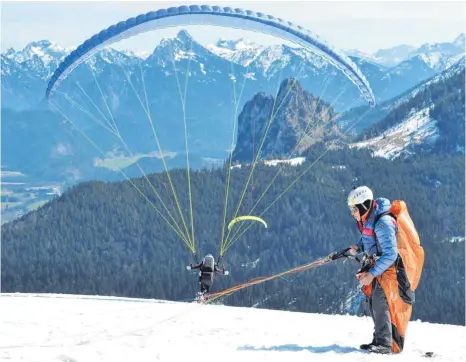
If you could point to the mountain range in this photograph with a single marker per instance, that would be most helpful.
(390, 71)
(105, 99)
(103, 238)
(438, 55)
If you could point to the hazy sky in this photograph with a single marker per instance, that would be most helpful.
(366, 26)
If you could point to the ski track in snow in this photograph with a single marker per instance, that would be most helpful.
(47, 327)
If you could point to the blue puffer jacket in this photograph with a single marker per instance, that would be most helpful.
(381, 242)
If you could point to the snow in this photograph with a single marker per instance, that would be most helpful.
(47, 327)
(181, 54)
(221, 52)
(437, 55)
(250, 76)
(292, 161)
(271, 55)
(433, 60)
(201, 65)
(241, 51)
(136, 54)
(453, 67)
(251, 264)
(418, 127)
(11, 173)
(316, 60)
(455, 59)
(44, 50)
(455, 239)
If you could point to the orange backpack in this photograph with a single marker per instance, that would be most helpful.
(412, 256)
(408, 243)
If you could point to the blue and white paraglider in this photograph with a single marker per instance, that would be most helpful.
(215, 16)
(187, 16)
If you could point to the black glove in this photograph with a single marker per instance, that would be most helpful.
(340, 254)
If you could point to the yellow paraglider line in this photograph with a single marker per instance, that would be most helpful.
(273, 115)
(105, 101)
(227, 190)
(183, 104)
(281, 168)
(88, 113)
(182, 237)
(191, 247)
(131, 154)
(96, 107)
(116, 133)
(302, 174)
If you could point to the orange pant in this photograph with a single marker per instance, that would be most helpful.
(400, 311)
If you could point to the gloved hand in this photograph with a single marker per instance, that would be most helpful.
(188, 267)
(226, 272)
(353, 250)
(340, 254)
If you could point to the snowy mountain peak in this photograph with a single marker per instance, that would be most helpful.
(393, 56)
(45, 46)
(446, 48)
(182, 46)
(44, 49)
(236, 44)
(272, 54)
(184, 37)
(226, 44)
(9, 53)
(434, 60)
(40, 43)
(460, 40)
(359, 54)
(241, 51)
(182, 41)
(437, 56)
(136, 54)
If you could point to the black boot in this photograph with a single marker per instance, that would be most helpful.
(366, 346)
(369, 345)
(379, 348)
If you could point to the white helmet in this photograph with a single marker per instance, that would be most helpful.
(359, 195)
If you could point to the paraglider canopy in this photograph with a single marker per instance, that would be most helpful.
(242, 218)
(217, 16)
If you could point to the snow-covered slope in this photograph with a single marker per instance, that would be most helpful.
(78, 328)
(401, 138)
(292, 162)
